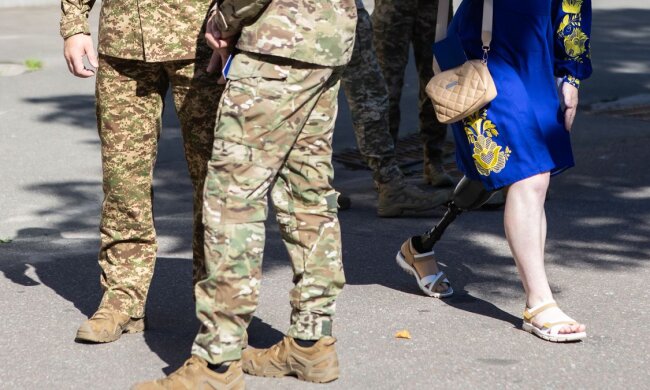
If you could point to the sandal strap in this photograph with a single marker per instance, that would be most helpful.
(549, 325)
(434, 281)
(426, 256)
(553, 328)
(529, 314)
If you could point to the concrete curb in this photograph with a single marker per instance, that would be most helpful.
(629, 102)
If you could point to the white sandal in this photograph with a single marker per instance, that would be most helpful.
(428, 284)
(549, 330)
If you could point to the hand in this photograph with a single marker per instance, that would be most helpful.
(218, 61)
(570, 102)
(74, 49)
(215, 38)
(221, 46)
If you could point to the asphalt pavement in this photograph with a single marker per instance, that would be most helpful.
(598, 252)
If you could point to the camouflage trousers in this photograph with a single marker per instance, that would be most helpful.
(274, 135)
(130, 97)
(367, 96)
(397, 24)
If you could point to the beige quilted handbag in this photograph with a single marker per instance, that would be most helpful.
(457, 93)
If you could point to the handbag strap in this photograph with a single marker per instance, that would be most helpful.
(442, 22)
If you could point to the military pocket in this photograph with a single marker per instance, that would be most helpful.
(249, 65)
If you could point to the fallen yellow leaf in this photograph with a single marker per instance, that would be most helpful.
(403, 334)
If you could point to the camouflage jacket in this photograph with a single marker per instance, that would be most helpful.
(147, 30)
(315, 31)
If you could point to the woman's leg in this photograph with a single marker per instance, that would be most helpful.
(525, 226)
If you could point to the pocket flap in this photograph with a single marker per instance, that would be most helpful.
(245, 65)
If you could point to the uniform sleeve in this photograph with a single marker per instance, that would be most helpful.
(74, 17)
(572, 31)
(232, 15)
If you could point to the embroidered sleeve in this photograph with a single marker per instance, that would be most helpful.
(571, 80)
(571, 33)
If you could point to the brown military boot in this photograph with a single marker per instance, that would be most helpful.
(397, 197)
(318, 363)
(195, 374)
(107, 325)
(435, 175)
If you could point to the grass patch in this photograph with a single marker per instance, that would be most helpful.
(33, 65)
(5, 240)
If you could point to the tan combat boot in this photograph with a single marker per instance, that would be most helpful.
(397, 197)
(195, 374)
(318, 363)
(435, 175)
(107, 325)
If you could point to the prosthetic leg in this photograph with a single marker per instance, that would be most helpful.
(416, 255)
(468, 195)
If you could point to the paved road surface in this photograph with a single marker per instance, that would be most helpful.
(598, 250)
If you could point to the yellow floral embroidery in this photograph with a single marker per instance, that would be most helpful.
(575, 43)
(570, 30)
(488, 155)
(571, 6)
(571, 80)
(565, 22)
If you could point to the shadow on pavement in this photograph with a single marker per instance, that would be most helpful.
(620, 44)
(39, 256)
(70, 110)
(597, 218)
(605, 230)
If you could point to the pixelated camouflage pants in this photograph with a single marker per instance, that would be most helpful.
(397, 24)
(130, 96)
(367, 96)
(274, 134)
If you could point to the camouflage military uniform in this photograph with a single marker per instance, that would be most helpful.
(367, 96)
(274, 135)
(397, 24)
(144, 48)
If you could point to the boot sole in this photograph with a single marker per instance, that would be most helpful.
(320, 377)
(329, 377)
(88, 336)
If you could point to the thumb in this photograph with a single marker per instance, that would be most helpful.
(92, 55)
(214, 62)
(92, 58)
(223, 54)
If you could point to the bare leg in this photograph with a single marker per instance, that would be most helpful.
(525, 226)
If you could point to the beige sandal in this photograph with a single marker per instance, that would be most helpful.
(408, 257)
(549, 330)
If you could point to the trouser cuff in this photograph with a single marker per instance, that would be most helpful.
(122, 303)
(315, 329)
(229, 355)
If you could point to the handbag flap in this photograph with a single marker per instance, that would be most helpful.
(458, 92)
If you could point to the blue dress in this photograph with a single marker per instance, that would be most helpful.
(521, 132)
